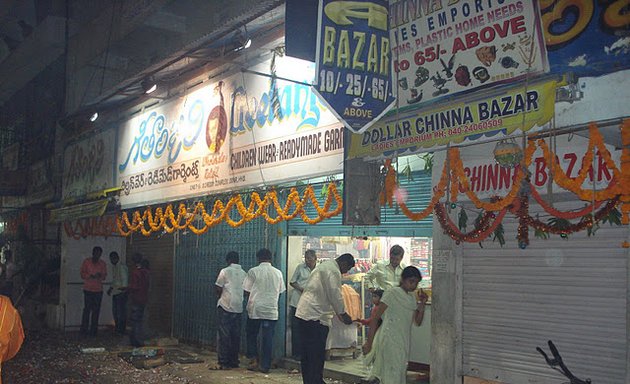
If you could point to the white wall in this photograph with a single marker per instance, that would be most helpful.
(73, 252)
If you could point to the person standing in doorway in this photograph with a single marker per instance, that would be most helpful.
(229, 287)
(139, 296)
(93, 273)
(320, 301)
(118, 291)
(298, 282)
(264, 283)
(387, 346)
(386, 275)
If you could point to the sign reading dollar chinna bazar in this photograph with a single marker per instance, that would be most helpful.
(354, 76)
(502, 114)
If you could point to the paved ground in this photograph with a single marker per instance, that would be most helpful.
(55, 357)
(49, 357)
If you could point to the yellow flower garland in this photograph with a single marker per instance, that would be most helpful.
(165, 219)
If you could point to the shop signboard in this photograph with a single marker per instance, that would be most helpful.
(40, 186)
(502, 113)
(91, 209)
(240, 132)
(441, 48)
(354, 76)
(88, 165)
(487, 178)
(587, 37)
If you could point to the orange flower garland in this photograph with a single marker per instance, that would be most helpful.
(453, 171)
(167, 220)
(575, 185)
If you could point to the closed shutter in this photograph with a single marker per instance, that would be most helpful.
(198, 262)
(573, 292)
(158, 250)
(393, 222)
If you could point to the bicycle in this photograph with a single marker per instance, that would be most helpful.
(557, 364)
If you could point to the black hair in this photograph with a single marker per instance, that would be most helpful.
(96, 250)
(114, 254)
(263, 254)
(137, 257)
(145, 264)
(396, 250)
(348, 259)
(378, 292)
(232, 257)
(411, 271)
(8, 254)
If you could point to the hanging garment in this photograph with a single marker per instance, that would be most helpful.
(352, 302)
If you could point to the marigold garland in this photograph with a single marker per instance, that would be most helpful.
(617, 191)
(150, 221)
(596, 141)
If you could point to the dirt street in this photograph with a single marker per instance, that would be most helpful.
(56, 357)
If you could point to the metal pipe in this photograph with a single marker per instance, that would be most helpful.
(275, 77)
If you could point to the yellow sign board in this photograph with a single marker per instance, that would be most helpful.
(510, 110)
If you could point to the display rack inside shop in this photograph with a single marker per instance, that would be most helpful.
(420, 249)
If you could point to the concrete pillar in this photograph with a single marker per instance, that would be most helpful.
(446, 305)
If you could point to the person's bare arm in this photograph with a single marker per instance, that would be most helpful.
(418, 314)
(376, 316)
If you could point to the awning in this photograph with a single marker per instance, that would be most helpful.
(79, 211)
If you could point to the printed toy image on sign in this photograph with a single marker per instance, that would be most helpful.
(440, 48)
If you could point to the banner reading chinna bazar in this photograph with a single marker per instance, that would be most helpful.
(513, 110)
(354, 76)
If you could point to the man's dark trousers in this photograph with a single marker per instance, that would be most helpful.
(314, 336)
(229, 337)
(119, 310)
(91, 312)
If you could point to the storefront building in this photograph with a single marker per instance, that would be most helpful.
(503, 278)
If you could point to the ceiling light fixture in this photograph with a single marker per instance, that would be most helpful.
(242, 40)
(94, 117)
(148, 85)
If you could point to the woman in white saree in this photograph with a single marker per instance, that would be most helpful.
(387, 346)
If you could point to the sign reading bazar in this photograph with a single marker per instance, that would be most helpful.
(354, 76)
(443, 47)
(243, 131)
(504, 113)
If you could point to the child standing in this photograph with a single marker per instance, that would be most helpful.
(376, 300)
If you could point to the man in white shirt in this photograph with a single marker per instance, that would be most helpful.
(386, 275)
(298, 282)
(118, 290)
(320, 300)
(264, 283)
(229, 287)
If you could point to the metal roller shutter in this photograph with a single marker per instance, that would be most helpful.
(393, 221)
(198, 262)
(572, 291)
(158, 250)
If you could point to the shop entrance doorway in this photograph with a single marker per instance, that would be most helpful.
(344, 342)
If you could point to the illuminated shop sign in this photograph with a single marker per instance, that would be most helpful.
(235, 133)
